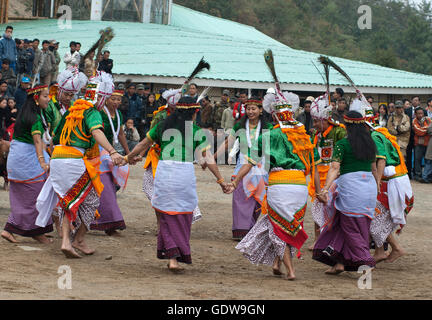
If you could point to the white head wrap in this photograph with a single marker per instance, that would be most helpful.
(71, 80)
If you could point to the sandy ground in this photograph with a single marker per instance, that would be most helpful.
(218, 271)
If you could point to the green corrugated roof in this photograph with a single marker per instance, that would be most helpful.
(235, 51)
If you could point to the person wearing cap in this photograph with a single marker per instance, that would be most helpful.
(75, 186)
(291, 157)
(395, 197)
(305, 116)
(28, 166)
(21, 92)
(175, 177)
(399, 125)
(245, 203)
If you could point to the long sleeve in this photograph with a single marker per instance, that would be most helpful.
(224, 120)
(391, 126)
(405, 125)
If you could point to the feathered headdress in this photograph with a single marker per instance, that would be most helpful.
(321, 109)
(200, 67)
(71, 80)
(282, 104)
(106, 35)
(102, 84)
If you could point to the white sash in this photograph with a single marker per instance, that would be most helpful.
(115, 133)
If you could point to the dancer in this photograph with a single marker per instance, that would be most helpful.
(350, 200)
(111, 218)
(175, 195)
(74, 181)
(290, 156)
(395, 196)
(27, 168)
(325, 136)
(249, 193)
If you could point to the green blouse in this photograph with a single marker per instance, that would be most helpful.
(385, 149)
(343, 153)
(27, 134)
(274, 145)
(240, 132)
(52, 115)
(107, 126)
(92, 121)
(326, 144)
(174, 146)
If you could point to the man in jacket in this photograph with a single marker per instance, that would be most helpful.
(21, 92)
(427, 171)
(72, 57)
(8, 49)
(410, 112)
(421, 140)
(106, 63)
(399, 125)
(135, 106)
(8, 74)
(305, 117)
(46, 64)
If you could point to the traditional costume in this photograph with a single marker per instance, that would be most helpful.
(175, 196)
(70, 81)
(291, 157)
(249, 194)
(111, 218)
(349, 212)
(74, 183)
(325, 142)
(395, 198)
(26, 179)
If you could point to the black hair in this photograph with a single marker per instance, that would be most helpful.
(9, 27)
(342, 99)
(36, 40)
(27, 116)
(419, 108)
(262, 118)
(415, 97)
(385, 107)
(369, 97)
(429, 100)
(5, 61)
(17, 41)
(340, 91)
(45, 41)
(178, 119)
(243, 92)
(72, 43)
(3, 81)
(78, 43)
(405, 100)
(360, 139)
(106, 51)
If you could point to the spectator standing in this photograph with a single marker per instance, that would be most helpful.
(227, 122)
(134, 104)
(8, 48)
(305, 117)
(37, 53)
(391, 108)
(150, 106)
(54, 49)
(21, 92)
(131, 133)
(427, 171)
(12, 107)
(29, 58)
(240, 109)
(78, 49)
(206, 114)
(72, 57)
(219, 109)
(4, 90)
(46, 64)
(421, 140)
(8, 74)
(341, 111)
(382, 115)
(106, 64)
(399, 125)
(410, 111)
(338, 94)
(429, 108)
(5, 114)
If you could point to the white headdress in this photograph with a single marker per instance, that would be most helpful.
(172, 96)
(283, 105)
(71, 80)
(321, 109)
(102, 84)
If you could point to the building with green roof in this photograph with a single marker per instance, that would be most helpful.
(164, 54)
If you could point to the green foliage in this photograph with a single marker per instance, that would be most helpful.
(400, 37)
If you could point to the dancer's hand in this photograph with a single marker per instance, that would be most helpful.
(229, 188)
(203, 165)
(116, 158)
(45, 167)
(323, 196)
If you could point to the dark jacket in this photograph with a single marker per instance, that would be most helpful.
(134, 108)
(20, 97)
(8, 49)
(302, 117)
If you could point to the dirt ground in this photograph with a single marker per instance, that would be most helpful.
(218, 271)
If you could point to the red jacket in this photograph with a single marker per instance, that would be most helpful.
(239, 110)
(421, 137)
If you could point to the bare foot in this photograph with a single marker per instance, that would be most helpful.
(70, 253)
(335, 270)
(43, 239)
(175, 268)
(58, 226)
(8, 236)
(290, 277)
(380, 257)
(394, 255)
(82, 246)
(311, 247)
(276, 267)
(113, 233)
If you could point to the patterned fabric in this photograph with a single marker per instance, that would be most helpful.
(261, 245)
(382, 225)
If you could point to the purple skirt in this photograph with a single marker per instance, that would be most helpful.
(245, 212)
(111, 217)
(174, 236)
(346, 242)
(21, 221)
